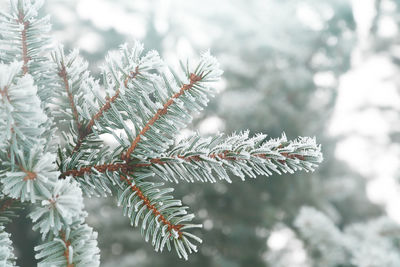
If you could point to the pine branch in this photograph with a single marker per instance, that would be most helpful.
(28, 170)
(152, 208)
(204, 159)
(193, 80)
(74, 247)
(61, 207)
(163, 105)
(19, 94)
(137, 94)
(197, 157)
(34, 175)
(164, 220)
(25, 38)
(145, 108)
(102, 110)
(124, 167)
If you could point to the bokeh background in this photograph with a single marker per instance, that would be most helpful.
(328, 69)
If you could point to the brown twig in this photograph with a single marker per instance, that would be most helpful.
(66, 251)
(100, 168)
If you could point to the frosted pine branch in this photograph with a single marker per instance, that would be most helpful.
(147, 104)
(205, 159)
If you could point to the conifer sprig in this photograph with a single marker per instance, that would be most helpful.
(46, 93)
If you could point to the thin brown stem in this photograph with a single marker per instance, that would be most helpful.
(100, 168)
(66, 251)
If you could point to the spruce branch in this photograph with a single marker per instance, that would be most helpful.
(74, 247)
(25, 39)
(160, 112)
(205, 159)
(31, 177)
(73, 89)
(18, 95)
(102, 110)
(146, 106)
(164, 220)
(28, 170)
(196, 157)
(62, 207)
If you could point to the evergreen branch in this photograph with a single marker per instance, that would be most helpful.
(195, 158)
(124, 167)
(164, 220)
(168, 160)
(152, 207)
(160, 105)
(101, 111)
(28, 170)
(75, 94)
(59, 208)
(75, 246)
(34, 174)
(18, 95)
(203, 159)
(150, 104)
(25, 38)
(193, 80)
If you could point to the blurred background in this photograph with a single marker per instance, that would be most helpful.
(328, 69)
